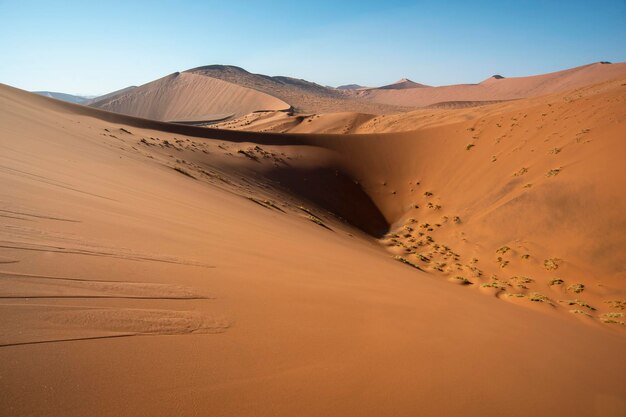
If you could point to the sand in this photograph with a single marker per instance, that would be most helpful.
(495, 87)
(153, 269)
(190, 98)
(304, 96)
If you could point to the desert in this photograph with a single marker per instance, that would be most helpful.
(225, 243)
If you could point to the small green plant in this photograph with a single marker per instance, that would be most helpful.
(469, 146)
(579, 303)
(555, 281)
(184, 172)
(439, 266)
(551, 264)
(609, 320)
(521, 172)
(617, 304)
(516, 295)
(536, 297)
(265, 203)
(475, 271)
(525, 256)
(464, 281)
(555, 151)
(553, 172)
(428, 194)
(577, 288)
(576, 311)
(494, 284)
(520, 281)
(423, 258)
(319, 222)
(502, 262)
(407, 262)
(503, 249)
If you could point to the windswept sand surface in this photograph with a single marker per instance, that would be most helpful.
(151, 269)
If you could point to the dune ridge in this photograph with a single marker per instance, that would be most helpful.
(188, 97)
(498, 87)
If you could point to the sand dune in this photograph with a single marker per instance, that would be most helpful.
(105, 97)
(182, 270)
(402, 84)
(496, 87)
(304, 96)
(189, 97)
(215, 93)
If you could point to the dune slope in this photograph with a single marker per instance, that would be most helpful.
(152, 269)
(186, 97)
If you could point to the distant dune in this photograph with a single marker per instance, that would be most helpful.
(63, 96)
(189, 97)
(304, 96)
(217, 92)
(106, 97)
(402, 84)
(350, 87)
(495, 88)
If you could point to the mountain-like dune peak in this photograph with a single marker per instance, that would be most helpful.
(190, 98)
(402, 84)
(493, 78)
(350, 87)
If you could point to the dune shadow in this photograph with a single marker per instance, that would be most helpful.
(335, 191)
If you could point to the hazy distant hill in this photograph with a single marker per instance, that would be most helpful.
(63, 96)
(350, 87)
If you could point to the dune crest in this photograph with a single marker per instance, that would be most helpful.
(191, 98)
(498, 87)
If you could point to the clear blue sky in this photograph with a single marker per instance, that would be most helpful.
(95, 47)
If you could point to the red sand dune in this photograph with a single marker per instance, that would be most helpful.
(189, 97)
(154, 269)
(497, 87)
(402, 84)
